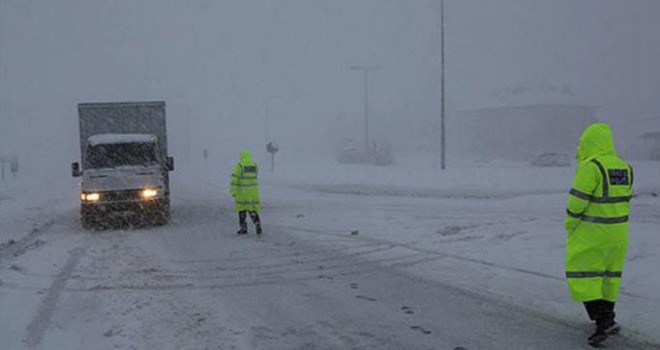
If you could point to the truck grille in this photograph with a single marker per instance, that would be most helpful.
(118, 196)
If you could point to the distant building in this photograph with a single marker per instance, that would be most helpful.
(640, 137)
(651, 145)
(518, 132)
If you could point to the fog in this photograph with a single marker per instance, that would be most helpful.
(344, 245)
(227, 69)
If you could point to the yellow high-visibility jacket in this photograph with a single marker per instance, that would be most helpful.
(244, 184)
(597, 218)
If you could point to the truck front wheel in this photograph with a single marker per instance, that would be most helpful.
(162, 212)
(87, 219)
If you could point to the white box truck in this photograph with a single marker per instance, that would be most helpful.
(124, 166)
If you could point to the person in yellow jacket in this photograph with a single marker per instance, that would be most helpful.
(245, 190)
(597, 228)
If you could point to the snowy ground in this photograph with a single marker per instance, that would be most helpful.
(471, 257)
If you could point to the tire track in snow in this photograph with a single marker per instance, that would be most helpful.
(444, 255)
(16, 248)
(41, 320)
(217, 274)
(243, 280)
(631, 340)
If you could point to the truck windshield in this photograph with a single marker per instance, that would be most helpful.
(118, 154)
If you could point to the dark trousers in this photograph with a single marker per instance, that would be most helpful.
(601, 311)
(242, 220)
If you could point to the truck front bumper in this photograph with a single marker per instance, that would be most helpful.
(124, 208)
(123, 200)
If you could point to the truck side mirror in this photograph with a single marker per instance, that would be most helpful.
(170, 163)
(75, 169)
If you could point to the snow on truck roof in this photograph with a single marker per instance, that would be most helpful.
(121, 104)
(100, 139)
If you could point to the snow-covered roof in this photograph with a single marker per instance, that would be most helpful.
(525, 95)
(529, 105)
(643, 125)
(651, 134)
(99, 139)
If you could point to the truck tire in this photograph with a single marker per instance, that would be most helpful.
(162, 213)
(87, 220)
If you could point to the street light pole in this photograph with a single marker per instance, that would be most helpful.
(443, 142)
(365, 70)
(366, 110)
(267, 117)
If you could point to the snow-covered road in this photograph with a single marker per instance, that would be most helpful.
(421, 273)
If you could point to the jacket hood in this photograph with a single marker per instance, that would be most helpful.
(246, 156)
(596, 140)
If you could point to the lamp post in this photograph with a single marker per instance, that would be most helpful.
(443, 143)
(365, 70)
(267, 117)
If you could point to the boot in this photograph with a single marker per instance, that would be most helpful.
(256, 220)
(615, 328)
(592, 308)
(612, 326)
(605, 324)
(603, 331)
(597, 338)
(242, 223)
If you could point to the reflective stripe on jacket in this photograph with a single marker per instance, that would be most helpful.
(597, 211)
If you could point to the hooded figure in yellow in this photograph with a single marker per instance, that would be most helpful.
(597, 228)
(245, 189)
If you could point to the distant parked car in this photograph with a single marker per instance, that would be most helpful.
(379, 153)
(552, 160)
(349, 153)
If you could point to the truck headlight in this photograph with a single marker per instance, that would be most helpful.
(149, 193)
(90, 197)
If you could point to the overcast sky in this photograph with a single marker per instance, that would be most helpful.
(221, 64)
